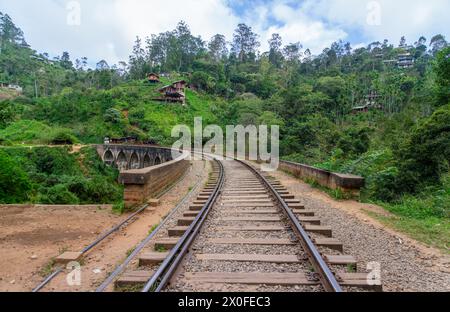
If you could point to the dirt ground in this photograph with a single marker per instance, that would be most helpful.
(407, 265)
(31, 238)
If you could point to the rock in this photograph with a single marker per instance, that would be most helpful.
(33, 257)
(12, 282)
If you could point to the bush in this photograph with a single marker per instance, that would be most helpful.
(55, 176)
(60, 195)
(424, 158)
(63, 136)
(112, 115)
(383, 185)
(14, 182)
(355, 142)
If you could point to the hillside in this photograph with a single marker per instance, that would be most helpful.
(381, 111)
(90, 116)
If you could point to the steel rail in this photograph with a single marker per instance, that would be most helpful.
(100, 239)
(47, 280)
(50, 277)
(327, 277)
(171, 263)
(145, 242)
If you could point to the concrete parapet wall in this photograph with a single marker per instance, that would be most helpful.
(143, 184)
(346, 182)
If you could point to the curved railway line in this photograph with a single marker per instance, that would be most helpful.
(244, 232)
(129, 220)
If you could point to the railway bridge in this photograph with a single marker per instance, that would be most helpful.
(129, 157)
(145, 170)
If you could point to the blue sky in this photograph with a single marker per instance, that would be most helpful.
(108, 28)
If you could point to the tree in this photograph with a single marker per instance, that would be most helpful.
(245, 43)
(424, 158)
(174, 50)
(14, 183)
(187, 47)
(292, 52)
(442, 70)
(102, 65)
(137, 61)
(9, 32)
(65, 61)
(6, 113)
(81, 64)
(218, 47)
(438, 43)
(421, 47)
(275, 55)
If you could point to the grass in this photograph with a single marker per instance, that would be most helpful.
(424, 217)
(119, 208)
(130, 289)
(161, 249)
(153, 229)
(432, 231)
(47, 269)
(351, 268)
(130, 251)
(32, 132)
(337, 194)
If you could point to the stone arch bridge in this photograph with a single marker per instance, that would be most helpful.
(132, 157)
(145, 170)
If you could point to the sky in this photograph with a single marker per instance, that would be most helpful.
(106, 29)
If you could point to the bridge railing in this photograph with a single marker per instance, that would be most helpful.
(350, 184)
(143, 184)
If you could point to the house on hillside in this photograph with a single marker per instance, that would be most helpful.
(370, 102)
(174, 92)
(405, 60)
(10, 86)
(15, 87)
(153, 78)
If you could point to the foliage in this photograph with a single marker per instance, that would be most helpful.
(14, 182)
(56, 176)
(442, 70)
(424, 157)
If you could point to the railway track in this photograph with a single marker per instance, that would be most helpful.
(244, 232)
(128, 221)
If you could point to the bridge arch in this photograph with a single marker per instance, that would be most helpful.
(121, 161)
(157, 160)
(108, 158)
(147, 161)
(134, 162)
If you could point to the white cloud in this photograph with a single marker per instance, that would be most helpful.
(410, 18)
(294, 25)
(108, 27)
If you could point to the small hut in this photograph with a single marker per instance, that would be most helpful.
(174, 92)
(153, 78)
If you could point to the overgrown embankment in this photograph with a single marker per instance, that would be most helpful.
(56, 175)
(90, 115)
(406, 173)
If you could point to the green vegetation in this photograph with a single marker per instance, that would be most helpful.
(425, 217)
(47, 175)
(47, 269)
(401, 145)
